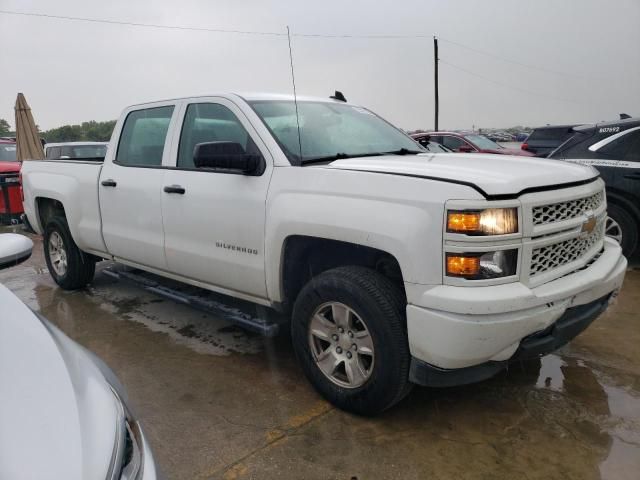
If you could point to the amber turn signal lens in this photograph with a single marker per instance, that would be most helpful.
(459, 266)
(463, 222)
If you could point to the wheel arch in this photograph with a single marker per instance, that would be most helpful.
(46, 208)
(624, 200)
(304, 257)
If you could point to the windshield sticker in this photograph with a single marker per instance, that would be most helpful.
(605, 163)
(362, 110)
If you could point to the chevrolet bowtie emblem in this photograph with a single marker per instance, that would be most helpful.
(589, 225)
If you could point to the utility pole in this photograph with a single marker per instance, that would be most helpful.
(435, 83)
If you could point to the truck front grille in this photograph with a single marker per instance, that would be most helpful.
(556, 212)
(556, 255)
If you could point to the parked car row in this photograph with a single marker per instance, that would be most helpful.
(467, 143)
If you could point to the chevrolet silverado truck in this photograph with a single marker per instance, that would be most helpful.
(396, 266)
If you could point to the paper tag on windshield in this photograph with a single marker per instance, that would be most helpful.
(362, 110)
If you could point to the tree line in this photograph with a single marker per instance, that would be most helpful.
(91, 131)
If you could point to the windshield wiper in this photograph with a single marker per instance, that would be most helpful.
(343, 156)
(403, 151)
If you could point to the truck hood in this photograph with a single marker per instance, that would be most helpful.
(492, 175)
(58, 414)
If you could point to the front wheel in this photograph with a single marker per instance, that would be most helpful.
(349, 334)
(69, 266)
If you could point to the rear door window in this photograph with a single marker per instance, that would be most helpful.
(143, 137)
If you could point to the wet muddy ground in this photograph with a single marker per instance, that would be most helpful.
(217, 402)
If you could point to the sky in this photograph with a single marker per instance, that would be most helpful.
(502, 62)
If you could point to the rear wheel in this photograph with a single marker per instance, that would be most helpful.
(349, 334)
(622, 227)
(69, 266)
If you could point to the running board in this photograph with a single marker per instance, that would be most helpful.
(232, 310)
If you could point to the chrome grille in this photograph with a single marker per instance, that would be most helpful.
(556, 212)
(558, 254)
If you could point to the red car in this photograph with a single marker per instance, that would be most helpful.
(10, 195)
(468, 143)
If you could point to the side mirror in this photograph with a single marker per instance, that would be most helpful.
(464, 149)
(226, 156)
(14, 249)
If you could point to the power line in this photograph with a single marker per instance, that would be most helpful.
(508, 60)
(529, 92)
(374, 36)
(147, 25)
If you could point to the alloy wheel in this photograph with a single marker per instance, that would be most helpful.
(341, 345)
(57, 254)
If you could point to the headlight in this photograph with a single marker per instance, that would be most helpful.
(480, 266)
(126, 461)
(492, 221)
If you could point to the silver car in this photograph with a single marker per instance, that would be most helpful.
(63, 412)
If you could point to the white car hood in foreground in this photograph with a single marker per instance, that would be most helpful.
(494, 175)
(58, 415)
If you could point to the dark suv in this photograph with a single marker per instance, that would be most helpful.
(614, 149)
(543, 140)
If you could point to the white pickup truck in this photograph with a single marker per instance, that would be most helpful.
(397, 266)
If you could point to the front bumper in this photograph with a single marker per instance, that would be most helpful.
(459, 327)
(572, 322)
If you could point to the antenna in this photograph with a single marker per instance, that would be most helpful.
(295, 96)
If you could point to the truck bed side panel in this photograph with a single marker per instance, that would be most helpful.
(75, 185)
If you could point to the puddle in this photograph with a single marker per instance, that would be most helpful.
(199, 331)
(551, 376)
(609, 407)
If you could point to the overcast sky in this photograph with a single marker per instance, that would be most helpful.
(586, 56)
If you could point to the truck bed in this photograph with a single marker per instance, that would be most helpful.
(73, 183)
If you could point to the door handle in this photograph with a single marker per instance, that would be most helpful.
(174, 189)
(633, 176)
(108, 183)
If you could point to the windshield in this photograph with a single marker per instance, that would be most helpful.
(483, 142)
(330, 130)
(7, 152)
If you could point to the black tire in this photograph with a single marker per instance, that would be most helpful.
(381, 306)
(80, 267)
(628, 226)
